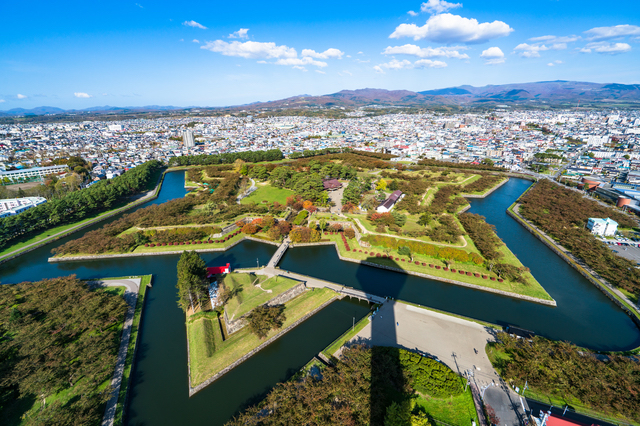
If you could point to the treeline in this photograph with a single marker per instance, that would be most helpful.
(313, 153)
(443, 253)
(483, 235)
(563, 213)
(57, 335)
(367, 386)
(469, 166)
(79, 205)
(175, 212)
(565, 371)
(227, 158)
(359, 161)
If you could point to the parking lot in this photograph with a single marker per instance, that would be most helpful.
(628, 252)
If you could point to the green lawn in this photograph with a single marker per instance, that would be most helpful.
(268, 194)
(531, 288)
(243, 341)
(454, 410)
(248, 295)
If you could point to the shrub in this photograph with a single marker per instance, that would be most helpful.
(349, 233)
(250, 228)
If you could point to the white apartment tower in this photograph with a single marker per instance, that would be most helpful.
(187, 139)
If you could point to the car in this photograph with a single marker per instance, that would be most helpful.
(615, 251)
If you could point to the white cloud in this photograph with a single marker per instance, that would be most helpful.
(493, 56)
(426, 52)
(348, 73)
(19, 96)
(250, 49)
(438, 6)
(554, 63)
(298, 67)
(82, 95)
(320, 72)
(329, 53)
(606, 47)
(194, 24)
(300, 62)
(533, 50)
(605, 33)
(241, 33)
(405, 64)
(448, 28)
(412, 13)
(428, 63)
(195, 40)
(555, 39)
(2, 100)
(360, 53)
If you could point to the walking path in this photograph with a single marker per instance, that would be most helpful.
(131, 297)
(317, 283)
(279, 253)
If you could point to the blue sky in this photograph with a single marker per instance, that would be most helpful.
(122, 53)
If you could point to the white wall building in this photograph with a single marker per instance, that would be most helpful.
(603, 227)
(14, 206)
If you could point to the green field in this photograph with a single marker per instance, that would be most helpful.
(268, 194)
(455, 410)
(243, 341)
(248, 295)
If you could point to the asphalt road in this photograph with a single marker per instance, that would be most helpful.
(631, 253)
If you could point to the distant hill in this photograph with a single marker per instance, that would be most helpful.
(538, 94)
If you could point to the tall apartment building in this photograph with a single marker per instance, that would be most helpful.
(187, 139)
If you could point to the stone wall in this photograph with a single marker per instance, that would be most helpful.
(239, 323)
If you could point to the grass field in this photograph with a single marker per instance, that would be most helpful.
(454, 410)
(248, 295)
(269, 194)
(240, 343)
(531, 288)
(330, 350)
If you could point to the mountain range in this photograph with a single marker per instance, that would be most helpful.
(537, 94)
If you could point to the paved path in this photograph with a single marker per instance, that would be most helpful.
(279, 253)
(452, 340)
(131, 297)
(317, 283)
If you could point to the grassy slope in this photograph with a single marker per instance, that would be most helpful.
(454, 410)
(269, 194)
(126, 374)
(251, 296)
(243, 341)
(532, 288)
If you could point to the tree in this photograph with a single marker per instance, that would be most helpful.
(487, 162)
(405, 251)
(322, 225)
(424, 219)
(398, 414)
(382, 185)
(263, 319)
(192, 280)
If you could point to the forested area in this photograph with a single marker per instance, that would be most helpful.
(563, 213)
(565, 371)
(192, 282)
(78, 205)
(467, 166)
(443, 253)
(367, 386)
(483, 235)
(226, 158)
(57, 336)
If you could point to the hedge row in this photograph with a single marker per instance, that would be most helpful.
(222, 240)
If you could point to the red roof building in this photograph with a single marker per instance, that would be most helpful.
(217, 270)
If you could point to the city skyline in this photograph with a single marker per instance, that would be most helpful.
(80, 55)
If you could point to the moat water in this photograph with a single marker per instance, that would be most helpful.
(159, 391)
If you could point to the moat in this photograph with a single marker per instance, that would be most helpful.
(159, 393)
